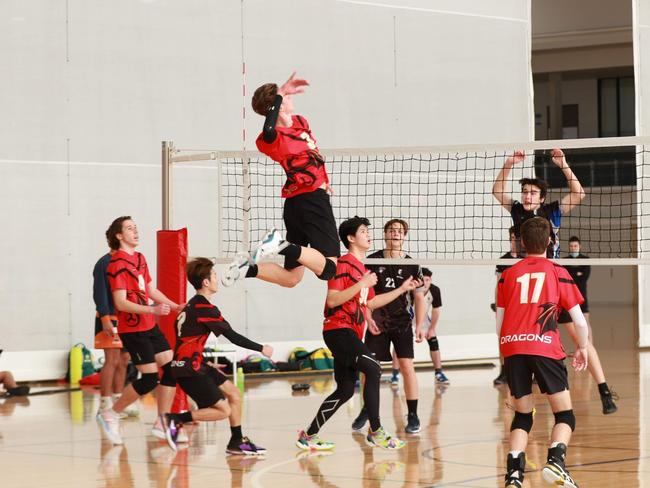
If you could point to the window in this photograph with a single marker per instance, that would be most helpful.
(594, 167)
(616, 107)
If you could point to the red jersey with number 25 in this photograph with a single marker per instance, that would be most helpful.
(351, 314)
(532, 292)
(295, 149)
(130, 272)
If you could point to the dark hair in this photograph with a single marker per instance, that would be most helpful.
(426, 272)
(350, 227)
(512, 231)
(535, 233)
(198, 269)
(114, 229)
(403, 223)
(263, 98)
(574, 239)
(539, 183)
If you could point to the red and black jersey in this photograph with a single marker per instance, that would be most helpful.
(532, 292)
(193, 325)
(130, 272)
(351, 314)
(295, 149)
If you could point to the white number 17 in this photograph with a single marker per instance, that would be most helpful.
(524, 280)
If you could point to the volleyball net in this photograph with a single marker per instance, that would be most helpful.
(446, 195)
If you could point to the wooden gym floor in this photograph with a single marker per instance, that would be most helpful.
(53, 440)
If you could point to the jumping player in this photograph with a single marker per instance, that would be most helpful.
(132, 287)
(216, 396)
(580, 275)
(529, 296)
(287, 139)
(533, 196)
(349, 295)
(393, 323)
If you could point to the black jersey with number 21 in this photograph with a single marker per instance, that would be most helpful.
(399, 313)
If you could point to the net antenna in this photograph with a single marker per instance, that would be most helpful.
(445, 194)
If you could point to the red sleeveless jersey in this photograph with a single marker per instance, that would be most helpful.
(130, 272)
(295, 149)
(351, 314)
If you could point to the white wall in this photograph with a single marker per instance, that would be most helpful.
(90, 88)
(642, 74)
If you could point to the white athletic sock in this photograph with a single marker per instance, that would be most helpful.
(105, 402)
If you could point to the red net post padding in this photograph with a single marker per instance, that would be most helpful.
(172, 258)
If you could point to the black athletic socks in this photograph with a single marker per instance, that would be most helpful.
(181, 418)
(292, 252)
(603, 389)
(235, 434)
(252, 271)
(412, 406)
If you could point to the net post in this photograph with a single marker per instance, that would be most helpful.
(246, 204)
(219, 207)
(167, 149)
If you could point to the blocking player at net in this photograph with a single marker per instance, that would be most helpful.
(393, 323)
(132, 288)
(349, 297)
(528, 298)
(533, 198)
(287, 139)
(217, 397)
(580, 275)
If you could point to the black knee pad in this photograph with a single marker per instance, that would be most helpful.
(523, 421)
(167, 378)
(147, 383)
(329, 271)
(566, 417)
(433, 344)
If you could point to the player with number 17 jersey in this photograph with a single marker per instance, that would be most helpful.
(532, 293)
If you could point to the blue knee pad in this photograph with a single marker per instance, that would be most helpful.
(167, 378)
(566, 417)
(523, 421)
(433, 344)
(147, 383)
(329, 271)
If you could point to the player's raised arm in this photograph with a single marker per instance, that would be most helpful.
(576, 192)
(499, 188)
(268, 100)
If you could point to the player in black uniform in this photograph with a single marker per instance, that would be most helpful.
(533, 198)
(201, 380)
(580, 275)
(393, 323)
